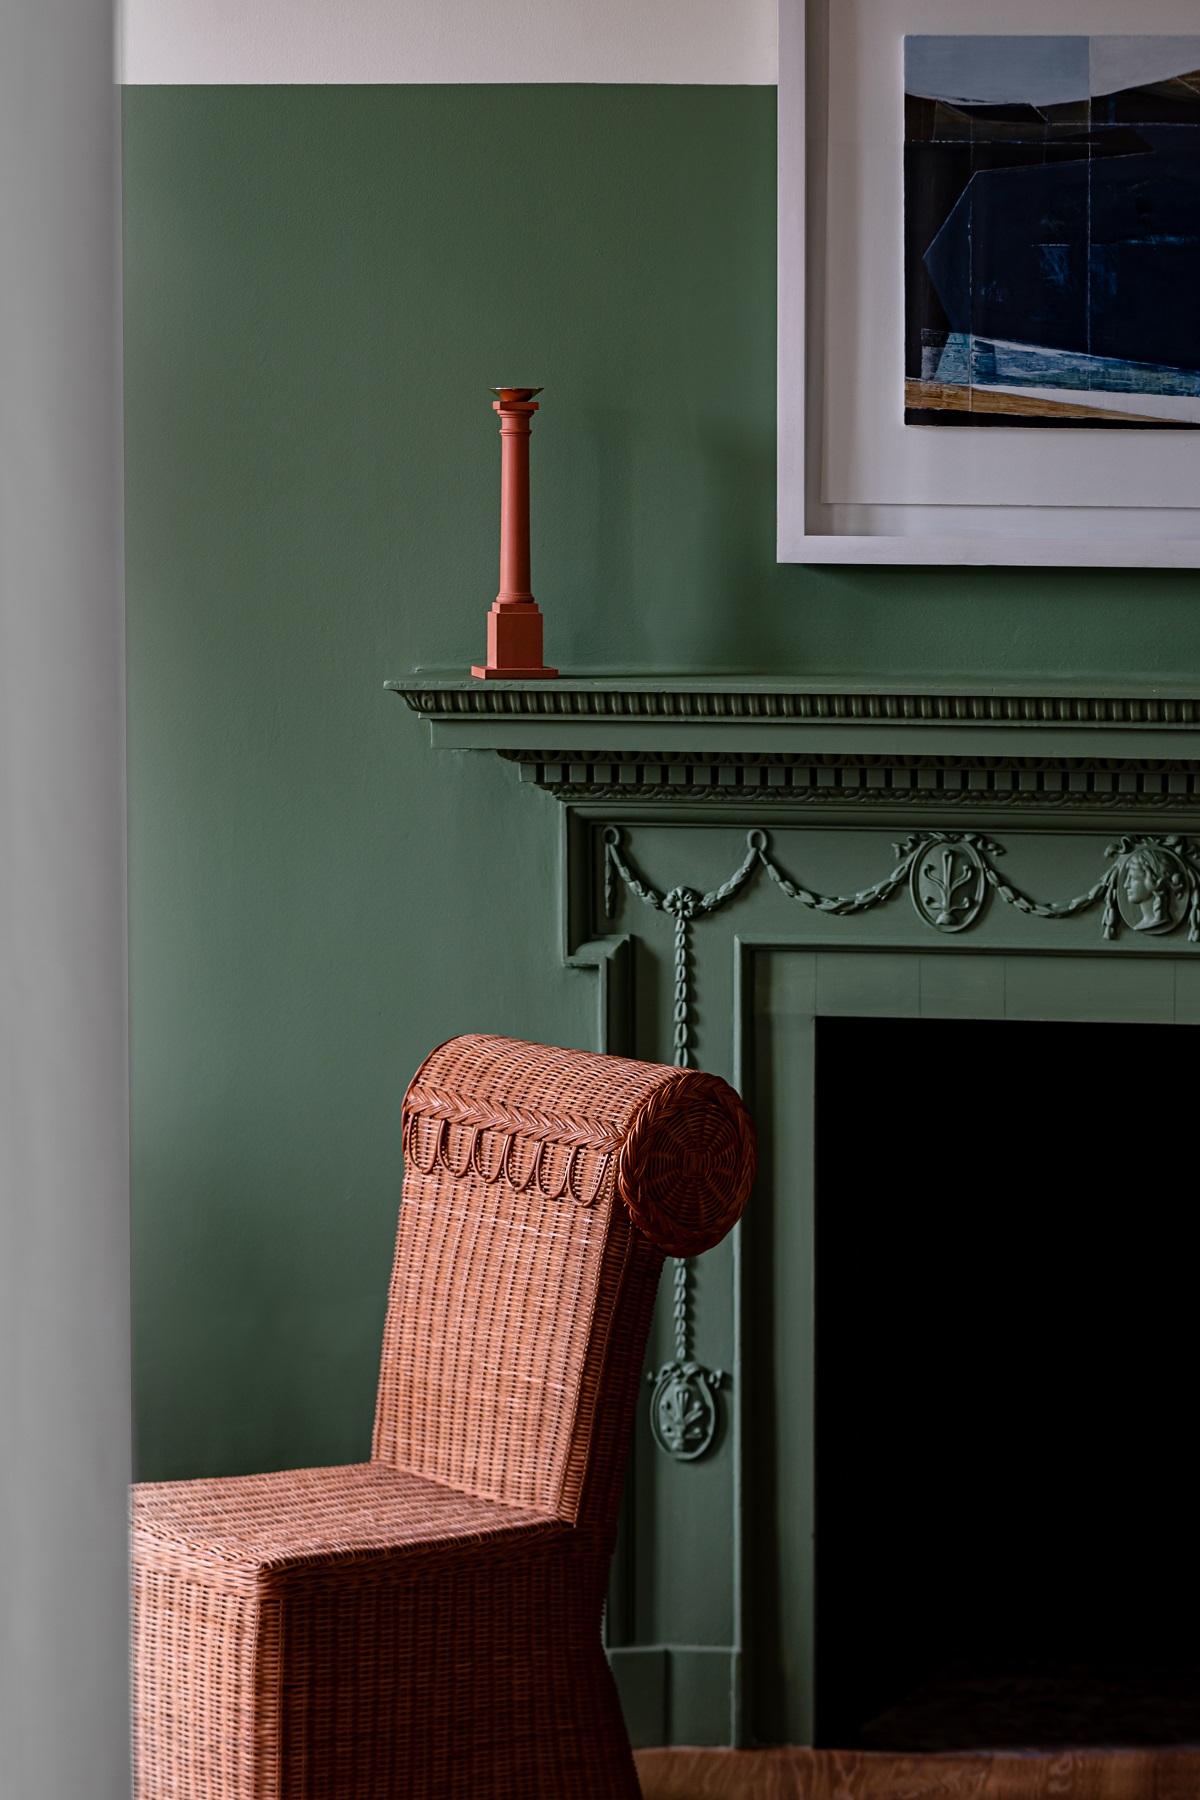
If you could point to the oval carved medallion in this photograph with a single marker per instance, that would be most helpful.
(948, 886)
(683, 1411)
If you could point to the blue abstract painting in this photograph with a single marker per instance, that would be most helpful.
(1052, 232)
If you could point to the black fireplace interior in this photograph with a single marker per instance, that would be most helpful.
(1008, 1345)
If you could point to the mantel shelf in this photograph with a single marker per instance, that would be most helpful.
(762, 715)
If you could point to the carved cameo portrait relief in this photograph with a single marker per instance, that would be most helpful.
(1152, 889)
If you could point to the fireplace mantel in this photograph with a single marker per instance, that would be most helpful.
(783, 712)
(741, 857)
(765, 740)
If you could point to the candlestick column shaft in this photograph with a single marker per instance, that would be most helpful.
(515, 424)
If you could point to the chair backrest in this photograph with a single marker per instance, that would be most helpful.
(542, 1189)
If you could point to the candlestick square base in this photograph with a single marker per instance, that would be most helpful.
(514, 645)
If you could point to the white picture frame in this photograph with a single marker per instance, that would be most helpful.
(1025, 507)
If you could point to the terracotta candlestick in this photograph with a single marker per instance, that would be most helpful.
(514, 637)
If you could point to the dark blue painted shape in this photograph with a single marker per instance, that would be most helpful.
(1102, 258)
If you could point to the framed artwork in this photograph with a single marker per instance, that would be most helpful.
(989, 246)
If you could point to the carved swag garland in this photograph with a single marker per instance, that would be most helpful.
(1150, 885)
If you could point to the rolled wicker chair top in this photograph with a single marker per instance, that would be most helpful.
(558, 1121)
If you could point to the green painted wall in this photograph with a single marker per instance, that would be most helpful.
(320, 284)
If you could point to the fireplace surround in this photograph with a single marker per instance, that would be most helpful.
(741, 859)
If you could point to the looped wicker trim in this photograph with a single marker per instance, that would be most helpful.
(409, 1141)
(510, 1175)
(447, 1160)
(510, 1125)
(545, 1164)
(433, 1104)
(603, 1165)
(489, 1176)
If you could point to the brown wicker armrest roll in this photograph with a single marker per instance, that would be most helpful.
(688, 1163)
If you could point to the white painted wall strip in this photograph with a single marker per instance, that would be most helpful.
(64, 1194)
(214, 42)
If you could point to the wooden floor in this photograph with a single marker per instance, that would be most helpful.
(853, 1775)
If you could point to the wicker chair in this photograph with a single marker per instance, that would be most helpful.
(427, 1625)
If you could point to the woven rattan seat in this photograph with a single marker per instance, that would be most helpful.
(427, 1625)
(238, 1530)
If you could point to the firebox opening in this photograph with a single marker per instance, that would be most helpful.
(1008, 1344)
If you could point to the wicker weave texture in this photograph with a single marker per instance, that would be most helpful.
(427, 1625)
(488, 1323)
